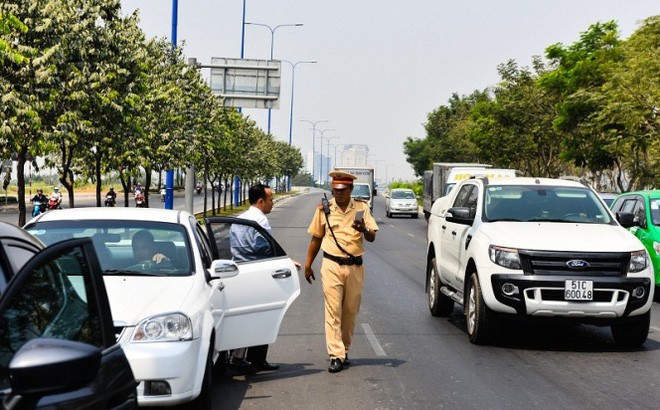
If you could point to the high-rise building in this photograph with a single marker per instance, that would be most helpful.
(353, 155)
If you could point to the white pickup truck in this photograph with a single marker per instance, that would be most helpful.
(536, 248)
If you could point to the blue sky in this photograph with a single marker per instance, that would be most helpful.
(383, 65)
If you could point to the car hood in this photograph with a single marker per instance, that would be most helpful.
(133, 298)
(405, 202)
(555, 236)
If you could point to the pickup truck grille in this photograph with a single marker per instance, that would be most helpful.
(574, 263)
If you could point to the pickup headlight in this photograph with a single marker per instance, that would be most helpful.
(505, 257)
(169, 327)
(638, 261)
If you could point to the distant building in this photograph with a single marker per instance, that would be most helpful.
(353, 155)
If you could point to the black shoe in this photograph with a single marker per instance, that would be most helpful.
(346, 362)
(265, 366)
(241, 366)
(335, 365)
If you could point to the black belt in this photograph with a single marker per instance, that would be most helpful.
(355, 260)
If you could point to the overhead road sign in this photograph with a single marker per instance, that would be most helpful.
(246, 83)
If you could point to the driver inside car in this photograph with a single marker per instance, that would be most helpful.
(144, 249)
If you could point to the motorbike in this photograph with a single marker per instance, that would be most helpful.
(198, 188)
(139, 200)
(109, 200)
(39, 208)
(53, 204)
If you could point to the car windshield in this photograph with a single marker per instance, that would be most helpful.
(361, 191)
(544, 203)
(126, 247)
(403, 195)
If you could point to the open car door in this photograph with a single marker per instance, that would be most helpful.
(254, 298)
(57, 343)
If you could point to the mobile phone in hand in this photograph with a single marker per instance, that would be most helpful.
(359, 215)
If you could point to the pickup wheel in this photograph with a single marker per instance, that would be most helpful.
(634, 332)
(439, 303)
(481, 321)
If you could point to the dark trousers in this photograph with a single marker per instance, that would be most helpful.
(257, 354)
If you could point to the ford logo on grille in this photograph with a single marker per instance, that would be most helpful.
(577, 264)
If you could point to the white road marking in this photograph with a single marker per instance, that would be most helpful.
(375, 344)
(411, 235)
(655, 329)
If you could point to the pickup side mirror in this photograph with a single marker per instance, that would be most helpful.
(459, 215)
(627, 219)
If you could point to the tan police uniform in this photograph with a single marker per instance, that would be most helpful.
(342, 278)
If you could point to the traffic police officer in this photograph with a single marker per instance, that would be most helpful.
(339, 235)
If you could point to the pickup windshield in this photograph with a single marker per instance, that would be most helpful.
(544, 204)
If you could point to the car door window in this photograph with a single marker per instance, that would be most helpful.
(202, 243)
(640, 211)
(628, 205)
(51, 300)
(241, 240)
(472, 201)
(463, 196)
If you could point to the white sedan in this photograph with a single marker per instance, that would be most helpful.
(177, 309)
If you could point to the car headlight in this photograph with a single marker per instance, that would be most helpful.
(169, 327)
(638, 261)
(505, 257)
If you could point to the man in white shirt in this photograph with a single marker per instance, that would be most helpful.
(246, 245)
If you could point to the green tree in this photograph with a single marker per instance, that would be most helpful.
(580, 71)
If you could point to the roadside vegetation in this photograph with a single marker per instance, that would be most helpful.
(82, 87)
(589, 109)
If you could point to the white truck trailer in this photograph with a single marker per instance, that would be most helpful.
(439, 181)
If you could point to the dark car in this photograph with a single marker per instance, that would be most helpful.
(58, 347)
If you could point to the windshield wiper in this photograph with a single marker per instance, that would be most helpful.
(125, 272)
(505, 220)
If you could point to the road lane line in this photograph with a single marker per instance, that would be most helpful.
(375, 344)
(411, 235)
(655, 329)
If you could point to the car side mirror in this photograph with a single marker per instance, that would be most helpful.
(459, 215)
(49, 366)
(223, 268)
(626, 219)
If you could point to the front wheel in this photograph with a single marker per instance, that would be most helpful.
(481, 321)
(439, 303)
(634, 332)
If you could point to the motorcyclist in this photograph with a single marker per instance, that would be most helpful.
(39, 200)
(110, 197)
(139, 198)
(40, 197)
(55, 199)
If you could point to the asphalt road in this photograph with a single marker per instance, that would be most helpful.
(403, 358)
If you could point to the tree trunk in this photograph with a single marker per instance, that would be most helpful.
(97, 175)
(20, 177)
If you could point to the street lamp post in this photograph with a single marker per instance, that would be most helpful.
(272, 42)
(313, 139)
(328, 150)
(321, 155)
(293, 81)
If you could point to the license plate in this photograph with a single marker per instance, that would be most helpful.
(579, 290)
